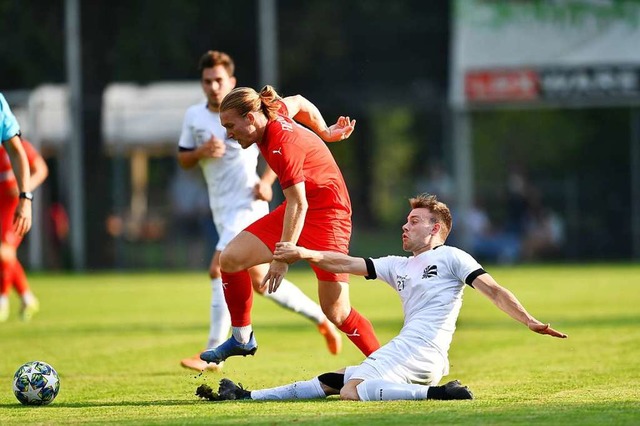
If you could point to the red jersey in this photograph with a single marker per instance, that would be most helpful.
(9, 194)
(296, 155)
(7, 178)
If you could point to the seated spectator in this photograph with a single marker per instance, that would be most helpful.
(544, 235)
(488, 243)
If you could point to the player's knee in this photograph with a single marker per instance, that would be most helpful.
(335, 314)
(7, 253)
(229, 262)
(337, 320)
(334, 301)
(349, 393)
(214, 265)
(257, 288)
(214, 272)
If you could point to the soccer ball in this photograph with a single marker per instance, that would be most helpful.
(36, 383)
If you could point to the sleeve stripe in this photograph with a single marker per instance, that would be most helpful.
(371, 270)
(472, 276)
(182, 149)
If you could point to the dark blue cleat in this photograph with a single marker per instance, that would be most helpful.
(230, 348)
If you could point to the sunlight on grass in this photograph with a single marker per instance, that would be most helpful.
(116, 341)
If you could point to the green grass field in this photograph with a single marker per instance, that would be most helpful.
(116, 340)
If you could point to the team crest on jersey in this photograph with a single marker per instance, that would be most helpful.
(400, 281)
(430, 271)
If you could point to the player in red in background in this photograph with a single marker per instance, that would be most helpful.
(316, 212)
(11, 271)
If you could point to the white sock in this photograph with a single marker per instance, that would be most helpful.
(28, 298)
(381, 390)
(220, 320)
(242, 334)
(289, 296)
(309, 389)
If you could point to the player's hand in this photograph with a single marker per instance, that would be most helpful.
(339, 131)
(22, 218)
(275, 275)
(213, 148)
(541, 328)
(287, 252)
(263, 191)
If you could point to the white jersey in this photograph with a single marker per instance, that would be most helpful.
(230, 179)
(430, 287)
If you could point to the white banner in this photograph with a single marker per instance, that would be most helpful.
(524, 51)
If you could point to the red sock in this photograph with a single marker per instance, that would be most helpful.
(19, 278)
(238, 293)
(360, 331)
(5, 278)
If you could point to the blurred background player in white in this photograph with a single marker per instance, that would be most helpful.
(15, 208)
(237, 197)
(430, 285)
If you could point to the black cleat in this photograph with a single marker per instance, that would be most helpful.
(205, 392)
(455, 390)
(229, 391)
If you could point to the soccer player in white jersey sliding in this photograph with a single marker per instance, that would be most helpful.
(238, 197)
(430, 284)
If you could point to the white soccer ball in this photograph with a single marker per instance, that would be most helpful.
(36, 383)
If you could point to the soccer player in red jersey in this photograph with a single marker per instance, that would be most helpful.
(237, 197)
(316, 212)
(11, 271)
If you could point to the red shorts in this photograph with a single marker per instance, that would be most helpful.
(8, 205)
(323, 231)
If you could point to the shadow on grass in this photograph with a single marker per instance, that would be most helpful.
(163, 403)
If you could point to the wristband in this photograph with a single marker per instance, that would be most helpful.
(26, 195)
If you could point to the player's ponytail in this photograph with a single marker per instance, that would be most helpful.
(268, 98)
(246, 100)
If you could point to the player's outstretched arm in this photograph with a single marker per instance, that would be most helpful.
(306, 113)
(327, 260)
(507, 301)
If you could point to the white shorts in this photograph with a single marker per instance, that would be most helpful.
(401, 362)
(230, 220)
